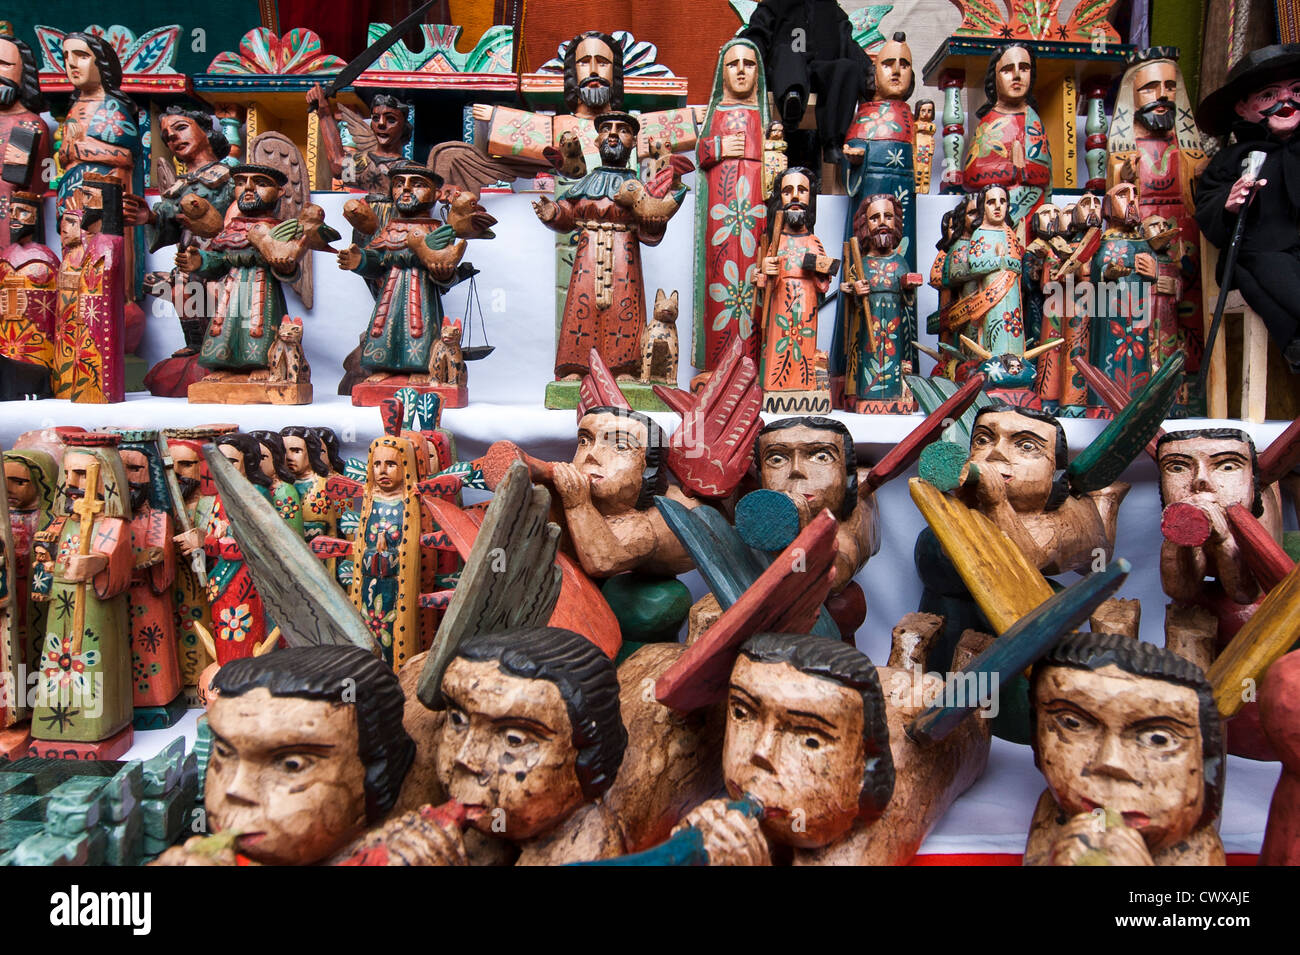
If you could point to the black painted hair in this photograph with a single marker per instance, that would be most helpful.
(1009, 221)
(991, 83)
(392, 102)
(571, 101)
(106, 61)
(588, 684)
(204, 120)
(29, 83)
(345, 676)
(654, 477)
(774, 204)
(329, 439)
(1092, 651)
(821, 424)
(839, 663)
(1061, 483)
(1218, 434)
(272, 440)
(251, 449)
(315, 447)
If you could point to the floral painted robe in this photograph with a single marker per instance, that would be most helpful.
(1121, 326)
(730, 220)
(993, 259)
(156, 671)
(790, 340)
(192, 601)
(407, 319)
(250, 305)
(27, 334)
(89, 345)
(877, 376)
(990, 159)
(87, 691)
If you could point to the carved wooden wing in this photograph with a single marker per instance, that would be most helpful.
(278, 150)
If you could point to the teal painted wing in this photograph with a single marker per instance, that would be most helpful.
(932, 392)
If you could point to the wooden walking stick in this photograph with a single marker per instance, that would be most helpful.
(86, 509)
(864, 301)
(773, 247)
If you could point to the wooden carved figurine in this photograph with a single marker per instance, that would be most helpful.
(1124, 270)
(29, 273)
(879, 342)
(31, 482)
(1277, 700)
(1168, 336)
(1259, 102)
(1009, 146)
(24, 138)
(659, 348)
(1128, 738)
(730, 207)
(415, 258)
(275, 467)
(990, 311)
(251, 257)
(309, 467)
(189, 213)
(85, 568)
(614, 213)
(155, 652)
(377, 145)
(795, 276)
(923, 144)
(90, 334)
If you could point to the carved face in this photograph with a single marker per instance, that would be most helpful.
(412, 194)
(1045, 220)
(1207, 470)
(22, 220)
(1022, 450)
(507, 750)
(75, 464)
(794, 742)
(926, 113)
(233, 455)
(611, 455)
(386, 470)
(1087, 211)
(614, 141)
(593, 63)
(1111, 739)
(1124, 208)
(995, 206)
(183, 136)
(285, 772)
(894, 71)
(80, 67)
(69, 231)
(796, 191)
(11, 62)
(185, 461)
(884, 231)
(19, 486)
(739, 72)
(970, 222)
(1012, 78)
(1154, 87)
(295, 455)
(255, 193)
(1277, 104)
(136, 465)
(267, 462)
(389, 125)
(805, 462)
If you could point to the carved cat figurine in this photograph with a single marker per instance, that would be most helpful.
(285, 359)
(659, 342)
(446, 364)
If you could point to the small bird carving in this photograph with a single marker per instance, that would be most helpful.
(201, 216)
(468, 218)
(633, 195)
(361, 216)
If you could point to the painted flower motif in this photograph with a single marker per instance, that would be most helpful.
(235, 623)
(380, 624)
(1129, 344)
(737, 299)
(739, 217)
(990, 139)
(110, 122)
(63, 668)
(150, 638)
(875, 125)
(894, 158)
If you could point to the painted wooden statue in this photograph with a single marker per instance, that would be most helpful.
(85, 566)
(990, 308)
(377, 145)
(880, 339)
(90, 332)
(414, 258)
(1009, 145)
(251, 257)
(923, 143)
(308, 464)
(24, 137)
(730, 206)
(1125, 271)
(1152, 129)
(1128, 737)
(615, 215)
(29, 273)
(31, 482)
(795, 276)
(275, 466)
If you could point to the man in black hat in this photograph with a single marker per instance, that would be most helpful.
(614, 215)
(251, 302)
(1260, 105)
(415, 257)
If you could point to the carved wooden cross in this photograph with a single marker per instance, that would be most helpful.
(86, 509)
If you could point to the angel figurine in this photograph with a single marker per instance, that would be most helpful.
(376, 145)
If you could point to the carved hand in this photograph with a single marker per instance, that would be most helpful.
(80, 568)
(316, 97)
(1145, 264)
(189, 541)
(189, 260)
(571, 485)
(1089, 833)
(730, 837)
(771, 265)
(350, 257)
(1165, 285)
(482, 112)
(546, 209)
(1239, 191)
(855, 155)
(733, 146)
(992, 488)
(136, 211)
